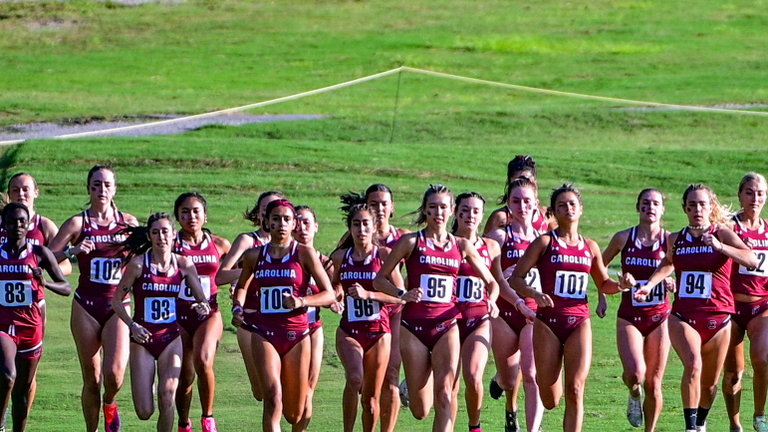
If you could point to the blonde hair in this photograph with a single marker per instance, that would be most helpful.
(752, 176)
(720, 215)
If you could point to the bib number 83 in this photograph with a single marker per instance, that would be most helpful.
(16, 293)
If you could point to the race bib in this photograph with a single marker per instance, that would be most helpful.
(760, 269)
(106, 271)
(437, 288)
(571, 284)
(363, 310)
(159, 310)
(186, 291)
(272, 299)
(16, 293)
(656, 297)
(533, 279)
(695, 284)
(471, 289)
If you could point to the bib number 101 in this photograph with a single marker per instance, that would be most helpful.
(571, 285)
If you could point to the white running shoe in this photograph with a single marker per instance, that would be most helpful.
(635, 409)
(760, 424)
(701, 428)
(404, 400)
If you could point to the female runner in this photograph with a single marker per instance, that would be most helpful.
(274, 310)
(22, 189)
(477, 304)
(519, 167)
(94, 326)
(156, 275)
(750, 292)
(641, 326)
(512, 339)
(380, 201)
(21, 324)
(430, 344)
(562, 333)
(363, 339)
(699, 327)
(306, 228)
(234, 260)
(199, 335)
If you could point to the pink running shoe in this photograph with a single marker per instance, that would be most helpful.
(111, 418)
(187, 428)
(209, 424)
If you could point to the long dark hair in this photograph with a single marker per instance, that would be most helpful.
(137, 240)
(521, 163)
(352, 198)
(349, 215)
(459, 199)
(253, 214)
(421, 216)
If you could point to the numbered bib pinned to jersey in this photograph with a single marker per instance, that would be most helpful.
(17, 293)
(656, 297)
(106, 270)
(272, 299)
(571, 284)
(760, 270)
(186, 291)
(533, 279)
(437, 288)
(363, 310)
(159, 310)
(471, 289)
(695, 284)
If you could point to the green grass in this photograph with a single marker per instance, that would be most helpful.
(85, 59)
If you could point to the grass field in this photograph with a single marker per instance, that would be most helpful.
(75, 60)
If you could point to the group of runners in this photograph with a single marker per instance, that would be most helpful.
(438, 300)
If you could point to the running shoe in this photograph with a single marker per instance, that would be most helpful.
(111, 418)
(635, 409)
(495, 389)
(187, 428)
(404, 400)
(760, 424)
(209, 424)
(514, 426)
(477, 429)
(702, 428)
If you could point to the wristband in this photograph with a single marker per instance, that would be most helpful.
(303, 302)
(133, 324)
(400, 293)
(68, 253)
(237, 309)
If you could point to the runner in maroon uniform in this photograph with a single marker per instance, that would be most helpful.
(512, 339)
(641, 327)
(234, 260)
(750, 292)
(699, 326)
(306, 229)
(94, 326)
(477, 304)
(519, 167)
(562, 332)
(380, 201)
(156, 277)
(430, 344)
(199, 335)
(21, 324)
(274, 310)
(363, 339)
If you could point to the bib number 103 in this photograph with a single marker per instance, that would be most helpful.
(571, 285)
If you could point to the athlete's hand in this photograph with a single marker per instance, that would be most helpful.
(508, 271)
(37, 273)
(139, 333)
(544, 300)
(237, 316)
(293, 302)
(642, 292)
(202, 308)
(626, 281)
(711, 240)
(337, 307)
(356, 291)
(602, 307)
(529, 314)
(670, 284)
(85, 246)
(493, 310)
(413, 295)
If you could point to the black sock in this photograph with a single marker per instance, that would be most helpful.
(511, 418)
(474, 427)
(690, 418)
(701, 416)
